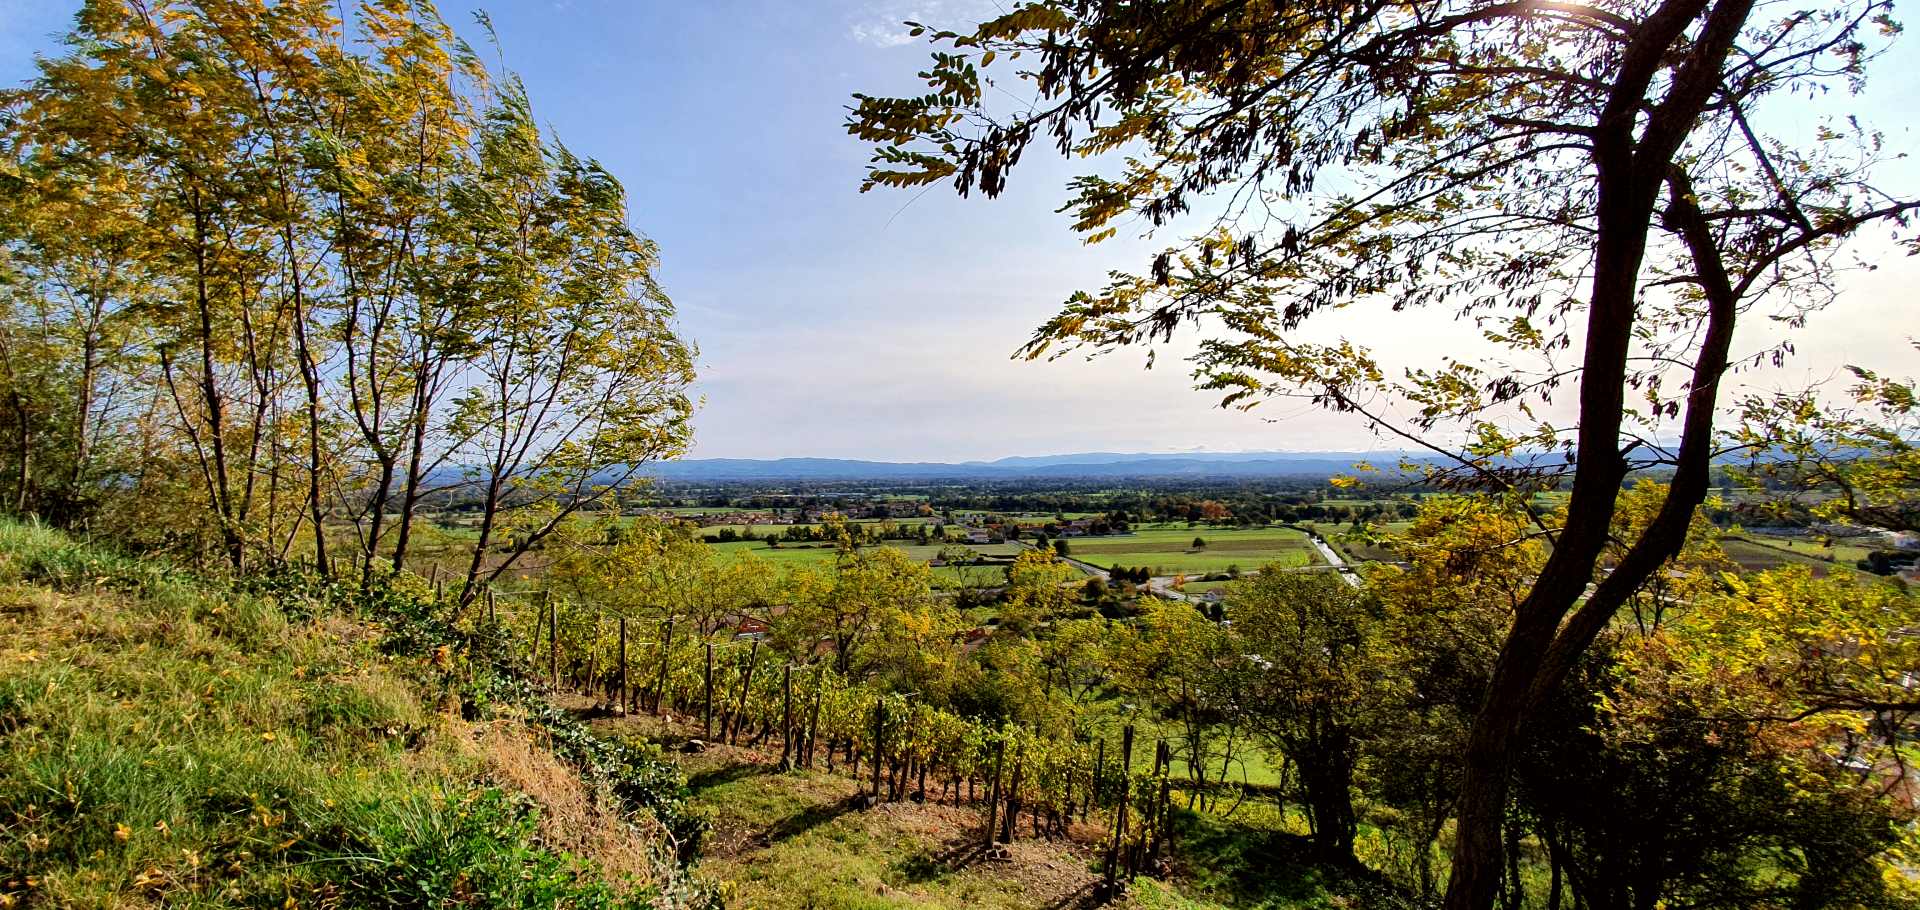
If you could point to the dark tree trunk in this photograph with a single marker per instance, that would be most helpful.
(1537, 655)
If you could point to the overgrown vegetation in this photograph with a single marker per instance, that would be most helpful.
(168, 739)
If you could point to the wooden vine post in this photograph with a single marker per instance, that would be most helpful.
(1013, 798)
(1110, 877)
(624, 703)
(553, 639)
(1155, 819)
(879, 742)
(708, 728)
(539, 619)
(1163, 827)
(746, 683)
(813, 716)
(666, 651)
(786, 718)
(993, 794)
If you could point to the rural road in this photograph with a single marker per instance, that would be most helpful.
(1159, 585)
(1333, 559)
(1162, 585)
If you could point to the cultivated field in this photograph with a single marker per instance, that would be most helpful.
(1168, 550)
(792, 554)
(1761, 554)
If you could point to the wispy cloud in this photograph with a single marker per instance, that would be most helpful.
(881, 23)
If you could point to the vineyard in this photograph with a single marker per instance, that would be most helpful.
(896, 747)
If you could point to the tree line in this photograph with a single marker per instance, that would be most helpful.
(270, 279)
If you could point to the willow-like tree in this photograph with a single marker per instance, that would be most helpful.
(580, 380)
(1592, 182)
(345, 259)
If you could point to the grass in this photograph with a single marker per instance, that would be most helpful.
(1169, 550)
(797, 840)
(1252, 764)
(1202, 587)
(1759, 555)
(168, 741)
(1262, 866)
(1844, 554)
(820, 554)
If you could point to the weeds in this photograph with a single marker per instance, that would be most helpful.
(282, 741)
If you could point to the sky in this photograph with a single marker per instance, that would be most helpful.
(833, 323)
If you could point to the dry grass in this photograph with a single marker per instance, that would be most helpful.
(572, 817)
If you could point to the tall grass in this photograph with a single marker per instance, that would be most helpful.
(164, 739)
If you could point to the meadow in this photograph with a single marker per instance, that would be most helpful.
(1169, 550)
(1760, 554)
(795, 554)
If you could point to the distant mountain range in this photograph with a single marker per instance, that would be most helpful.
(1118, 465)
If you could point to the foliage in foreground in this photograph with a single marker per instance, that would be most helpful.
(164, 741)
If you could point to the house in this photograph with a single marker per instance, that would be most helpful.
(751, 628)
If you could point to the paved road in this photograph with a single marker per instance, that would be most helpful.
(1159, 585)
(1333, 559)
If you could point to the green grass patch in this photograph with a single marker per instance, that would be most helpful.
(1759, 555)
(798, 840)
(1170, 550)
(165, 741)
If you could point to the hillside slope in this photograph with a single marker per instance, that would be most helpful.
(166, 740)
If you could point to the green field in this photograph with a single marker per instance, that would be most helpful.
(1356, 550)
(1759, 555)
(1846, 554)
(794, 554)
(762, 530)
(1202, 587)
(1169, 550)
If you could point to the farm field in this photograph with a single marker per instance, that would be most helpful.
(1168, 550)
(821, 554)
(1840, 552)
(1758, 556)
(1202, 587)
(763, 529)
(1354, 549)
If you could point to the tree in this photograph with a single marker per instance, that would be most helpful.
(1186, 667)
(251, 250)
(581, 378)
(1199, 543)
(1617, 142)
(1742, 753)
(1037, 590)
(1865, 452)
(1308, 640)
(866, 592)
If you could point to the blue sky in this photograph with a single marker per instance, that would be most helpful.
(833, 323)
